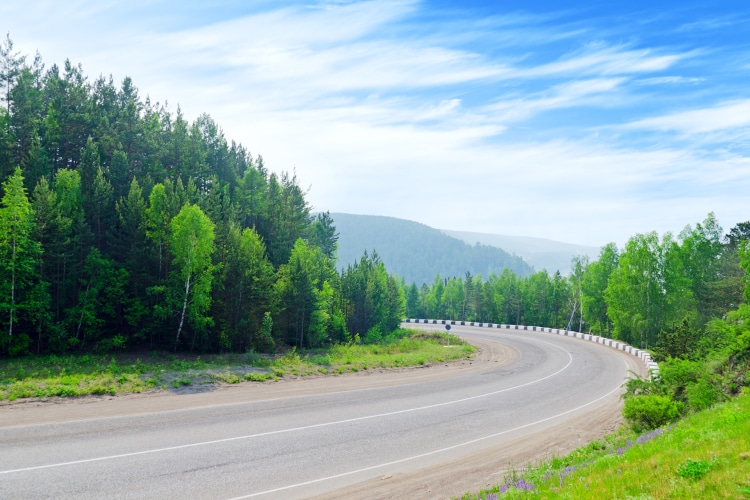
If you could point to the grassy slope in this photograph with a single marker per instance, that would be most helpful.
(706, 455)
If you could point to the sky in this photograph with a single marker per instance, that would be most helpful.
(579, 121)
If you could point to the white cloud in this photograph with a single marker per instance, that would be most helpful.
(669, 80)
(604, 60)
(724, 116)
(569, 94)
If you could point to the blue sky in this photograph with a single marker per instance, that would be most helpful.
(585, 122)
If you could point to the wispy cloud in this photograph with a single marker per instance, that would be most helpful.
(669, 80)
(599, 60)
(569, 94)
(713, 23)
(728, 115)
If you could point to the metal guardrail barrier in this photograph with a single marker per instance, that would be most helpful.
(651, 365)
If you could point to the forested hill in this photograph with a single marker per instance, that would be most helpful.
(418, 252)
(124, 225)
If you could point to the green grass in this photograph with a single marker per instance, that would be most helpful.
(93, 374)
(706, 455)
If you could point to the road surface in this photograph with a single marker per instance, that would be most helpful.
(534, 394)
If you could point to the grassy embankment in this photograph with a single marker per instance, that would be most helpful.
(706, 455)
(95, 374)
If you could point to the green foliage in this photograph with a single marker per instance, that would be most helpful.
(247, 277)
(647, 412)
(265, 339)
(191, 242)
(303, 287)
(373, 297)
(703, 394)
(373, 335)
(694, 469)
(679, 341)
(594, 284)
(323, 235)
(20, 300)
(648, 289)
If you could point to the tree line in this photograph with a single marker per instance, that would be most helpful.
(653, 286)
(122, 225)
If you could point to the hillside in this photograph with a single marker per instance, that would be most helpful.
(418, 252)
(538, 252)
(702, 456)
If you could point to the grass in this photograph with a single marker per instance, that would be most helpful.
(93, 374)
(706, 455)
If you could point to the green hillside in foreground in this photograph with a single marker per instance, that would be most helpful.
(418, 252)
(704, 456)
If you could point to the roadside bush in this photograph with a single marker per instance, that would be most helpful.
(703, 394)
(374, 335)
(645, 413)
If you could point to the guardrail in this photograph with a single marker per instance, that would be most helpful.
(651, 365)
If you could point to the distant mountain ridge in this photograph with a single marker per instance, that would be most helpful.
(539, 252)
(418, 252)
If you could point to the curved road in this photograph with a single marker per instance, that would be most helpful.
(298, 447)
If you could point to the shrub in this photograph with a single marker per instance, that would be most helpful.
(374, 335)
(703, 394)
(257, 377)
(693, 469)
(650, 411)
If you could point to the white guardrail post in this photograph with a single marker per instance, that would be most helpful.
(651, 365)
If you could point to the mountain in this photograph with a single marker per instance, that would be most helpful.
(418, 252)
(540, 253)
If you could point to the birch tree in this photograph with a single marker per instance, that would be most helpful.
(19, 253)
(191, 242)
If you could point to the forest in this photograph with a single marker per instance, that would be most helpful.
(123, 226)
(654, 284)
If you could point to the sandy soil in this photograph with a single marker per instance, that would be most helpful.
(468, 473)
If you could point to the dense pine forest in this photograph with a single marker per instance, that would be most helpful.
(123, 226)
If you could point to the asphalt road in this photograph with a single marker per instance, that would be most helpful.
(304, 446)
